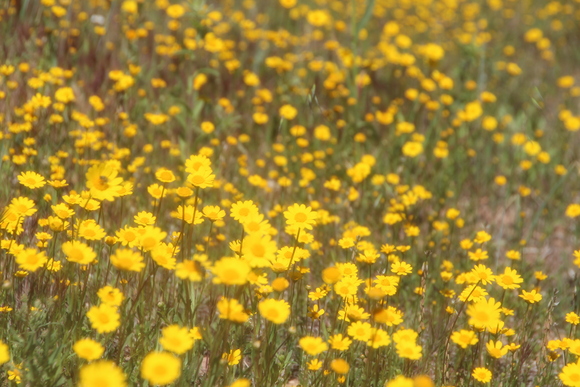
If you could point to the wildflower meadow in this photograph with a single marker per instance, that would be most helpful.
(283, 193)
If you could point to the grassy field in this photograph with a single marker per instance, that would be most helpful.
(289, 193)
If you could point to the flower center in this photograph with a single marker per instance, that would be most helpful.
(300, 217)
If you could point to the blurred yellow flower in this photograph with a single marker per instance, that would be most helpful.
(160, 368)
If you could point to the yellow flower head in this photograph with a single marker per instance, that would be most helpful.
(31, 259)
(176, 339)
(4, 353)
(127, 259)
(110, 296)
(276, 311)
(88, 349)
(484, 314)
(160, 368)
(104, 318)
(102, 181)
(231, 271)
(312, 345)
(340, 366)
(300, 216)
(102, 373)
(31, 180)
(482, 375)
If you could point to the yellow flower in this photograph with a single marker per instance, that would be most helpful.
(572, 318)
(280, 284)
(387, 283)
(481, 374)
(88, 349)
(176, 339)
(189, 269)
(412, 148)
(360, 331)
(531, 297)
(288, 112)
(312, 345)
(483, 274)
(104, 318)
(184, 192)
(317, 17)
(231, 309)
(233, 357)
(276, 311)
(573, 210)
(160, 368)
(496, 349)
(195, 334)
(102, 373)
(243, 210)
(64, 95)
(199, 81)
(322, 133)
(163, 255)
(405, 335)
(144, 218)
(207, 127)
(472, 111)
(156, 118)
(175, 11)
(464, 338)
(482, 237)
(231, 271)
(165, 175)
(213, 213)
(478, 255)
(314, 365)
(565, 82)
(339, 342)
(570, 374)
(251, 79)
(62, 210)
(401, 268)
(102, 181)
(31, 180)
(256, 225)
(78, 252)
(400, 381)
(97, 103)
(340, 366)
(288, 3)
(300, 216)
(4, 353)
(110, 296)
(186, 214)
(31, 259)
(379, 338)
(260, 118)
(259, 251)
(389, 316)
(150, 237)
(128, 236)
(243, 382)
(89, 230)
(202, 178)
(513, 69)
(510, 279)
(484, 314)
(127, 259)
(409, 350)
(22, 206)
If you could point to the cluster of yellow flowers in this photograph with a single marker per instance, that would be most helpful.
(235, 193)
